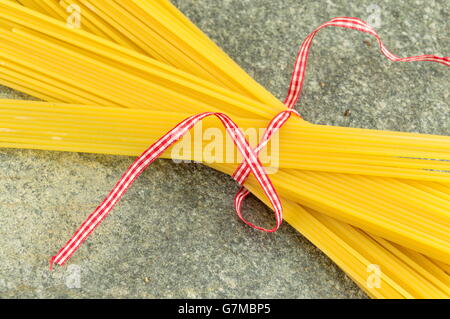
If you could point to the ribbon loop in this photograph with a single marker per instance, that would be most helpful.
(298, 75)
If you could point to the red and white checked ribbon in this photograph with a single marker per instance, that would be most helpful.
(251, 162)
(296, 86)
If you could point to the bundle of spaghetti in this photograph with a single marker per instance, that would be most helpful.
(58, 129)
(62, 122)
(406, 274)
(150, 24)
(355, 251)
(177, 93)
(401, 221)
(43, 31)
(91, 22)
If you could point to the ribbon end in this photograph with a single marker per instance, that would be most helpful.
(51, 262)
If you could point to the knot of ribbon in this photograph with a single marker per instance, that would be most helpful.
(251, 163)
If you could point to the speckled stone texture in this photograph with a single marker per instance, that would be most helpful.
(174, 234)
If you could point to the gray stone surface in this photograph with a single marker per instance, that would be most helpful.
(174, 234)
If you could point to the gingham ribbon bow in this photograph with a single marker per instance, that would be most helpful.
(251, 162)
